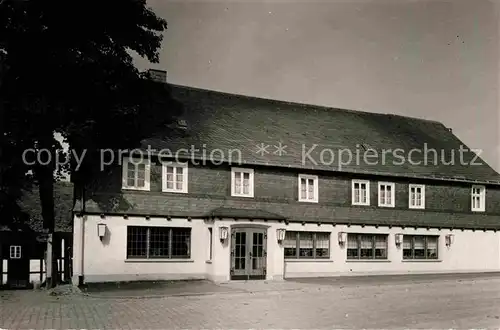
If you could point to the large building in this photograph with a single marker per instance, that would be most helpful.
(249, 188)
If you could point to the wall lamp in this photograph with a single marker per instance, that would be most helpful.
(223, 233)
(342, 237)
(280, 234)
(449, 239)
(398, 239)
(101, 230)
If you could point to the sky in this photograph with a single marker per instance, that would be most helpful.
(429, 59)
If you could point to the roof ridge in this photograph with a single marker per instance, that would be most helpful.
(318, 106)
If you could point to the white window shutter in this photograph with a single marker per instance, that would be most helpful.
(124, 172)
(163, 177)
(185, 179)
(147, 175)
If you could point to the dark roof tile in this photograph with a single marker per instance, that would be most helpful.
(183, 206)
(225, 212)
(227, 122)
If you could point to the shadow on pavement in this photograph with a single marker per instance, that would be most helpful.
(395, 279)
(153, 288)
(148, 289)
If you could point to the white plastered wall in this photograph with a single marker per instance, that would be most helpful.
(471, 251)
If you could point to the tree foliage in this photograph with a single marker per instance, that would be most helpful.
(67, 67)
(13, 178)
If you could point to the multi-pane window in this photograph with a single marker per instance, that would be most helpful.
(15, 252)
(158, 242)
(366, 246)
(360, 192)
(306, 245)
(478, 198)
(308, 188)
(420, 247)
(175, 177)
(386, 194)
(416, 196)
(242, 182)
(135, 173)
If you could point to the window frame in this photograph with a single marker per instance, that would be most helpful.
(250, 171)
(15, 252)
(425, 247)
(185, 177)
(147, 174)
(308, 177)
(297, 255)
(482, 198)
(358, 240)
(422, 198)
(148, 241)
(393, 195)
(353, 192)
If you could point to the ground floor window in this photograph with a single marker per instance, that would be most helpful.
(307, 245)
(158, 242)
(367, 246)
(420, 247)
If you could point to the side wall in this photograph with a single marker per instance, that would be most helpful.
(471, 251)
(106, 260)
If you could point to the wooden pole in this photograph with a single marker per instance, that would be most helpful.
(49, 280)
(41, 270)
(1, 267)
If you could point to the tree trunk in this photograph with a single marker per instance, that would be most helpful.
(45, 176)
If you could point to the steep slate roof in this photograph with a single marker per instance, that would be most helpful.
(226, 122)
(63, 205)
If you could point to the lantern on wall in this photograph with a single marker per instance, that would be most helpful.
(342, 237)
(280, 234)
(398, 239)
(101, 230)
(449, 239)
(223, 232)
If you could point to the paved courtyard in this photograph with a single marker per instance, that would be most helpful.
(461, 302)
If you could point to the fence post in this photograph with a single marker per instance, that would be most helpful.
(49, 263)
(41, 271)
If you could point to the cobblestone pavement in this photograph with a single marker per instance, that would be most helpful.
(442, 303)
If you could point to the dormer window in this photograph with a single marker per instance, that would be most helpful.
(241, 182)
(135, 173)
(308, 188)
(175, 177)
(416, 197)
(478, 198)
(386, 196)
(182, 124)
(360, 192)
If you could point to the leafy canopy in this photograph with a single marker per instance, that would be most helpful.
(66, 66)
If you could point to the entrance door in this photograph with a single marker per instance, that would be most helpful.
(18, 267)
(248, 254)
